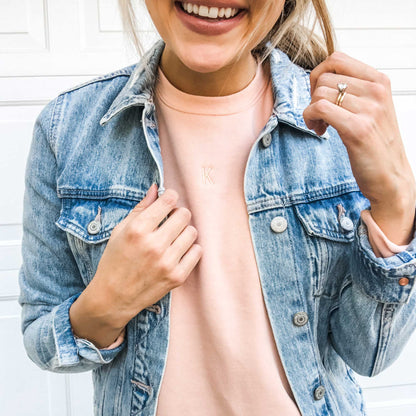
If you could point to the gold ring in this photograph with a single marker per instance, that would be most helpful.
(340, 98)
(342, 88)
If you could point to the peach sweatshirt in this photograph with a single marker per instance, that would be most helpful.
(220, 337)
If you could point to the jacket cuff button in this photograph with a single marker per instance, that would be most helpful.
(403, 281)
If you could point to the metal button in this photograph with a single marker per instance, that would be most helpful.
(278, 224)
(319, 393)
(347, 224)
(300, 318)
(266, 140)
(403, 281)
(94, 227)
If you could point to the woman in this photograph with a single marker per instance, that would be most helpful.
(274, 254)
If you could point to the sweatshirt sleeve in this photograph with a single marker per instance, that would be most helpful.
(49, 278)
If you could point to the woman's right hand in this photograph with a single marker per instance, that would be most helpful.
(140, 264)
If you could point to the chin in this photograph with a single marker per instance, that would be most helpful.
(206, 59)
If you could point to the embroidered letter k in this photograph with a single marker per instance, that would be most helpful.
(206, 178)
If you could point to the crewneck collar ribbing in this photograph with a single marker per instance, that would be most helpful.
(208, 105)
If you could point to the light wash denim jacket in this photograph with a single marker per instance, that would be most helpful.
(334, 307)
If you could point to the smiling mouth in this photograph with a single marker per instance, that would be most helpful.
(209, 13)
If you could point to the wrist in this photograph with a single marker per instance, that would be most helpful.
(98, 304)
(396, 219)
(89, 320)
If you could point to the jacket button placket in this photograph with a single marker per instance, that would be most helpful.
(278, 224)
(319, 393)
(266, 140)
(300, 318)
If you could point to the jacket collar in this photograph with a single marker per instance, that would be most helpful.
(290, 84)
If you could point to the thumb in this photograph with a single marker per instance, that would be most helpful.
(149, 198)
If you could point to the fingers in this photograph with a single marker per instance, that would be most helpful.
(175, 237)
(182, 243)
(350, 102)
(190, 260)
(319, 126)
(323, 110)
(153, 211)
(150, 197)
(368, 90)
(173, 226)
(357, 87)
(339, 63)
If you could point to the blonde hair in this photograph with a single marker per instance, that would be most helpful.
(290, 33)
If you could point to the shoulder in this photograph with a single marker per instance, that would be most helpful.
(117, 77)
(96, 92)
(82, 103)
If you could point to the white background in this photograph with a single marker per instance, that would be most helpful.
(47, 46)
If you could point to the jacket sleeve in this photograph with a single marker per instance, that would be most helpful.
(375, 313)
(49, 278)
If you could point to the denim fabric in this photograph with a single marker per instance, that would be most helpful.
(334, 307)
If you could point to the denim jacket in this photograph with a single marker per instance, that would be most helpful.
(335, 308)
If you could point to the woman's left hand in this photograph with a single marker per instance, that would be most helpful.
(367, 124)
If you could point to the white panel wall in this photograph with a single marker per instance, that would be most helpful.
(383, 33)
(47, 46)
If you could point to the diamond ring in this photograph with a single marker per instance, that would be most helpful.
(342, 88)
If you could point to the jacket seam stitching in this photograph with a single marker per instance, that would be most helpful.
(59, 357)
(309, 330)
(42, 352)
(103, 78)
(55, 120)
(273, 201)
(50, 131)
(383, 338)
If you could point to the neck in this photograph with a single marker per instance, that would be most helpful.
(225, 81)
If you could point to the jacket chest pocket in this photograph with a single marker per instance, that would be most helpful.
(88, 224)
(329, 225)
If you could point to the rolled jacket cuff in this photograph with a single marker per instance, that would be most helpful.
(387, 280)
(70, 349)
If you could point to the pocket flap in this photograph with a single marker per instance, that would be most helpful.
(334, 218)
(78, 213)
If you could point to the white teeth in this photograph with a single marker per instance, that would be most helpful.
(203, 11)
(210, 12)
(213, 12)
